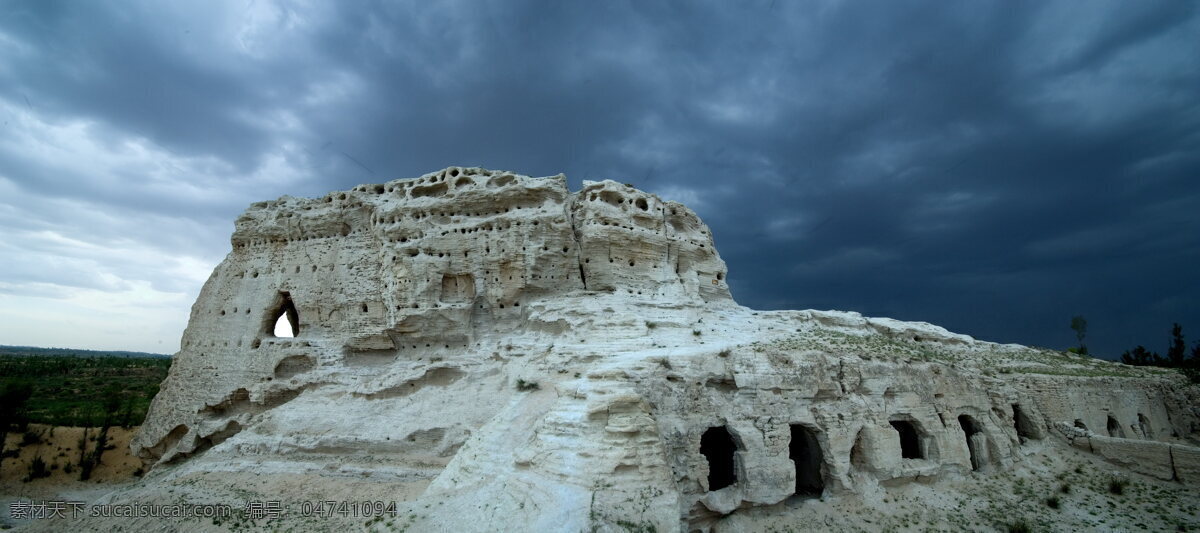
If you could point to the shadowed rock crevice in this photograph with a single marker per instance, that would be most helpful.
(293, 365)
(976, 441)
(805, 452)
(718, 447)
(1026, 428)
(435, 377)
(911, 446)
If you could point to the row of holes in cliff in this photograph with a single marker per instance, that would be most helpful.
(719, 446)
(435, 186)
(421, 215)
(284, 321)
(1116, 431)
(610, 197)
(466, 253)
(429, 183)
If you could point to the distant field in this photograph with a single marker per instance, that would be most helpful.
(73, 387)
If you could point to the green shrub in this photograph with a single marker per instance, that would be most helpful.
(1117, 485)
(525, 386)
(31, 437)
(37, 469)
(1192, 373)
(1020, 526)
(1053, 502)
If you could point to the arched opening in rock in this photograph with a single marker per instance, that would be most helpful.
(1144, 425)
(1114, 428)
(910, 439)
(976, 441)
(858, 453)
(718, 447)
(1079, 424)
(1026, 429)
(284, 320)
(805, 453)
(283, 328)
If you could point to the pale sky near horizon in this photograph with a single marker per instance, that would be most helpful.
(993, 167)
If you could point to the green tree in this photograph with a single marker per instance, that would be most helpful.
(111, 405)
(1191, 367)
(1176, 356)
(1177, 349)
(1140, 356)
(1079, 324)
(12, 410)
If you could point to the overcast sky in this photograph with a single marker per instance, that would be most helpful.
(991, 167)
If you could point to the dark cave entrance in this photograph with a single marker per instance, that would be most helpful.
(1144, 425)
(1026, 429)
(910, 439)
(1079, 424)
(858, 454)
(976, 441)
(1114, 428)
(805, 452)
(718, 446)
(285, 320)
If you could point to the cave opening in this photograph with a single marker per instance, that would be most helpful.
(1144, 425)
(1114, 428)
(718, 446)
(858, 453)
(805, 452)
(1026, 429)
(910, 439)
(976, 444)
(285, 320)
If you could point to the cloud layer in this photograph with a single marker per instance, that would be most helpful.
(993, 167)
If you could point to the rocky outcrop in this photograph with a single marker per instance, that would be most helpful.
(375, 278)
(532, 358)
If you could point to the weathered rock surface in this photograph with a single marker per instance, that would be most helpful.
(496, 352)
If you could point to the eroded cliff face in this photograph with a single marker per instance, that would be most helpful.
(527, 357)
(382, 276)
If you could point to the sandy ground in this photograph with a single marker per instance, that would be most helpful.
(59, 449)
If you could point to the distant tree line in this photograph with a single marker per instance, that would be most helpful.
(34, 351)
(1177, 356)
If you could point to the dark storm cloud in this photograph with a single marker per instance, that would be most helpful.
(993, 167)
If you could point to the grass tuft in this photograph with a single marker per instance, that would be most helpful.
(1116, 485)
(1020, 526)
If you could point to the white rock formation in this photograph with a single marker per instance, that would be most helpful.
(495, 352)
